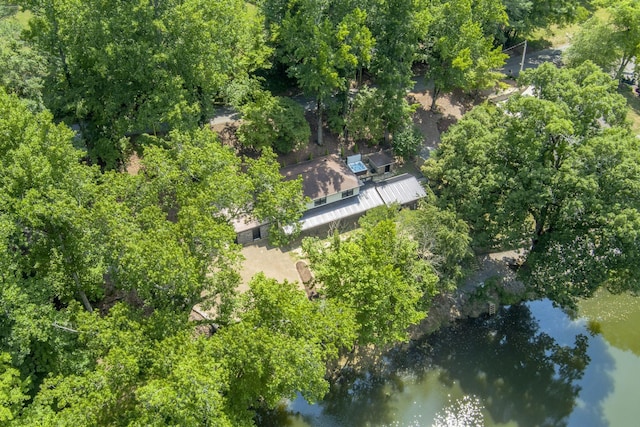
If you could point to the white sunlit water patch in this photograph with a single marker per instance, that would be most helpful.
(464, 412)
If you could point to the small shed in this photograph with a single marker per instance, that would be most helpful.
(381, 162)
(249, 230)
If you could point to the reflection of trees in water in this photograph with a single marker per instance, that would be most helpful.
(519, 373)
(363, 399)
(522, 374)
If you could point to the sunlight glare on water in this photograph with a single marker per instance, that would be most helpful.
(465, 412)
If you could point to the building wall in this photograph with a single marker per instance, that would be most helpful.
(336, 197)
(246, 237)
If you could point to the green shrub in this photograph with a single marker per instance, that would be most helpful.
(407, 142)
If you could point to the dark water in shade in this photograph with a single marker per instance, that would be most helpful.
(530, 365)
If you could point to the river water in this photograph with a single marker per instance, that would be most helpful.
(529, 365)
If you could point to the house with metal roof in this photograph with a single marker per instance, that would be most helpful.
(337, 194)
(404, 190)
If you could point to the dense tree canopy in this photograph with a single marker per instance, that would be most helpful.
(100, 272)
(100, 269)
(272, 121)
(442, 239)
(556, 173)
(22, 68)
(322, 50)
(126, 68)
(378, 275)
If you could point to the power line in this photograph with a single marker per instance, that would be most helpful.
(514, 46)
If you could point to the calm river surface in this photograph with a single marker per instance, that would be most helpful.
(530, 365)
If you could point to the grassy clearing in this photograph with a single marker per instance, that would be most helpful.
(558, 36)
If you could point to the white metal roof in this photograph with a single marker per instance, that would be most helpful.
(402, 189)
(367, 199)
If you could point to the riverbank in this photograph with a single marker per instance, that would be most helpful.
(491, 285)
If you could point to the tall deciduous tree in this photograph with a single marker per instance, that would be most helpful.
(48, 256)
(281, 345)
(462, 54)
(22, 68)
(442, 238)
(278, 202)
(376, 273)
(73, 241)
(322, 51)
(134, 67)
(271, 121)
(396, 26)
(557, 173)
(612, 43)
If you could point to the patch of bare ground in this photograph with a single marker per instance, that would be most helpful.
(134, 164)
(450, 107)
(227, 132)
(276, 263)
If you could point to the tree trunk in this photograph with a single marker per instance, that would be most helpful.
(83, 296)
(436, 93)
(345, 113)
(539, 227)
(623, 64)
(319, 113)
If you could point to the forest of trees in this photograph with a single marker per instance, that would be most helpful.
(100, 269)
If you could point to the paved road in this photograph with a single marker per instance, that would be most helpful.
(532, 59)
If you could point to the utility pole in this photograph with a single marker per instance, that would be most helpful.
(524, 52)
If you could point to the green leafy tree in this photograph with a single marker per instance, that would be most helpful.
(556, 173)
(377, 274)
(407, 142)
(365, 120)
(140, 361)
(173, 222)
(122, 69)
(322, 52)
(12, 390)
(611, 43)
(273, 122)
(48, 255)
(526, 16)
(278, 202)
(462, 53)
(22, 68)
(442, 238)
(281, 345)
(396, 25)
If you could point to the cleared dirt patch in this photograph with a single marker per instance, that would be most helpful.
(273, 262)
